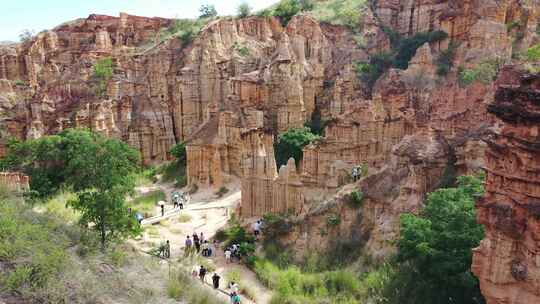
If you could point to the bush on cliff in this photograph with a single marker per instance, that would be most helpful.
(103, 71)
(435, 248)
(484, 72)
(291, 143)
(244, 10)
(403, 49)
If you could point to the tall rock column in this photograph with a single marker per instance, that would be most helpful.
(507, 262)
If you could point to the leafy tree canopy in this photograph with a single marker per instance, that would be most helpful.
(98, 169)
(291, 143)
(244, 10)
(437, 245)
(207, 11)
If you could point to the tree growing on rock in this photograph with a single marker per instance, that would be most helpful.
(207, 11)
(435, 248)
(244, 10)
(103, 71)
(291, 143)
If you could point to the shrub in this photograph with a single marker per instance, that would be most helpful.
(26, 35)
(242, 50)
(437, 245)
(238, 235)
(291, 143)
(485, 72)
(117, 257)
(222, 191)
(356, 198)
(407, 47)
(103, 71)
(184, 29)
(244, 10)
(333, 220)
(286, 9)
(372, 70)
(446, 59)
(207, 11)
(221, 235)
(339, 12)
(533, 53)
(32, 244)
(19, 82)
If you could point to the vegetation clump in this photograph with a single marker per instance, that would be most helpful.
(435, 248)
(403, 49)
(97, 169)
(241, 49)
(184, 29)
(446, 59)
(533, 53)
(291, 143)
(484, 72)
(207, 11)
(103, 71)
(244, 10)
(357, 198)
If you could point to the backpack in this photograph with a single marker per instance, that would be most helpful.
(236, 299)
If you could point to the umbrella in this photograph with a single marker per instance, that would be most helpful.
(161, 203)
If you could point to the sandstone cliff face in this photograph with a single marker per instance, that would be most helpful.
(13, 181)
(507, 262)
(241, 82)
(416, 127)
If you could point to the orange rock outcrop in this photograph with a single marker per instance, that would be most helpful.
(507, 262)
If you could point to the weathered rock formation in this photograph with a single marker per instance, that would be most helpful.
(13, 181)
(231, 90)
(507, 262)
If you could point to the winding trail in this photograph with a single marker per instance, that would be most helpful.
(204, 213)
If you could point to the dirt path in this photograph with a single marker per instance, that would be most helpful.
(205, 213)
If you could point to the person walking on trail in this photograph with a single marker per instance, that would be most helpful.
(215, 280)
(189, 244)
(202, 273)
(167, 249)
(162, 210)
(233, 287)
(235, 298)
(201, 238)
(204, 247)
(256, 228)
(228, 255)
(197, 243)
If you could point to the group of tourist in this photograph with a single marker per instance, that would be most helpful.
(233, 287)
(199, 244)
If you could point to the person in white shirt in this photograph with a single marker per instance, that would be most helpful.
(228, 255)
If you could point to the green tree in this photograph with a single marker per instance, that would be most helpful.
(286, 9)
(291, 143)
(99, 170)
(244, 10)
(435, 247)
(207, 11)
(103, 71)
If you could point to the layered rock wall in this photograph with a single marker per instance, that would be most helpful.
(507, 262)
(14, 181)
